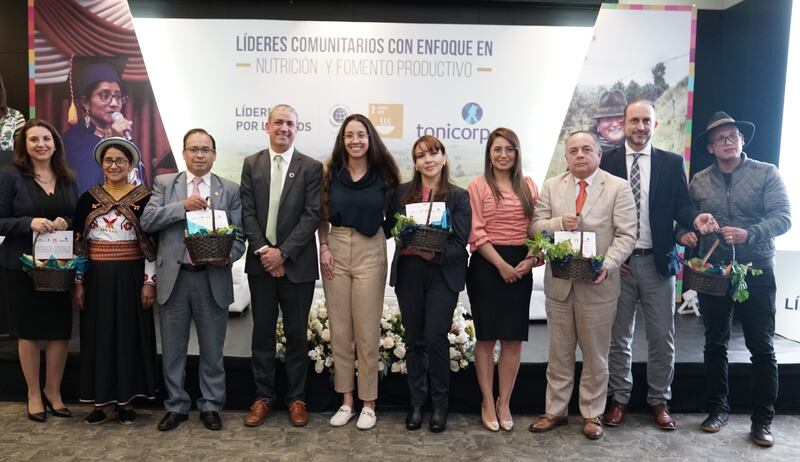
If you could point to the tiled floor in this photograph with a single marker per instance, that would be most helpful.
(465, 439)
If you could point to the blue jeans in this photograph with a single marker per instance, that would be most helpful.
(757, 314)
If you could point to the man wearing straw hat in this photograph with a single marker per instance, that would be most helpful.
(749, 201)
(187, 291)
(582, 312)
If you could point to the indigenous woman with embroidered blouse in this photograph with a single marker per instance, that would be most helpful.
(37, 195)
(10, 121)
(116, 294)
(427, 283)
(357, 187)
(499, 281)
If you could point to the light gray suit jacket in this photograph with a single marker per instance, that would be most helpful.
(609, 212)
(165, 215)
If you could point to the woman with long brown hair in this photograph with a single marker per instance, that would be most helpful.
(37, 195)
(357, 186)
(499, 281)
(427, 283)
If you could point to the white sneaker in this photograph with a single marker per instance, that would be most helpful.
(342, 416)
(367, 419)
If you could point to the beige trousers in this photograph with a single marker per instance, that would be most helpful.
(588, 325)
(354, 298)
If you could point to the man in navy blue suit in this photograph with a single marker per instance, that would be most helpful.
(658, 182)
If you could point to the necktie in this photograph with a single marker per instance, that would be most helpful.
(275, 187)
(196, 182)
(636, 186)
(581, 197)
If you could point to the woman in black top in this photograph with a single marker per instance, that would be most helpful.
(357, 186)
(37, 194)
(427, 283)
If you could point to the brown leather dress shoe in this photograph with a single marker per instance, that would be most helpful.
(258, 413)
(664, 421)
(615, 414)
(298, 415)
(547, 422)
(593, 428)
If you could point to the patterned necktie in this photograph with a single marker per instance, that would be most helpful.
(581, 197)
(196, 182)
(275, 187)
(636, 186)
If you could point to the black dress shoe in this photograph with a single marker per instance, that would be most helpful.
(63, 412)
(171, 421)
(414, 418)
(714, 422)
(761, 435)
(438, 421)
(211, 420)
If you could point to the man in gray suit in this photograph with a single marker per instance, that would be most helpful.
(582, 312)
(280, 210)
(186, 291)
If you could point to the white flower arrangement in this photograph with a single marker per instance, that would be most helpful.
(392, 348)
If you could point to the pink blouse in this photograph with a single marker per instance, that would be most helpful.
(499, 223)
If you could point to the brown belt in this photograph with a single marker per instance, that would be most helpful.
(114, 250)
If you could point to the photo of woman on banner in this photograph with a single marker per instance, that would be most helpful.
(95, 113)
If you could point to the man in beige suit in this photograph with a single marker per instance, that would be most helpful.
(582, 312)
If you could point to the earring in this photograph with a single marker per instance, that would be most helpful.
(87, 120)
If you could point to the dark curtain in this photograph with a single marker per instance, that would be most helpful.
(75, 30)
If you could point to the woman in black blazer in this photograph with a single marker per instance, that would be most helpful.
(37, 193)
(427, 283)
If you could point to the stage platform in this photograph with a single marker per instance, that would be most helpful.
(688, 385)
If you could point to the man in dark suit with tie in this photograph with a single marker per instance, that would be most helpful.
(280, 211)
(658, 182)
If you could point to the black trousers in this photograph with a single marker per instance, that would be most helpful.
(757, 314)
(267, 295)
(426, 305)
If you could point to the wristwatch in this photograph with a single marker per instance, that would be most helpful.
(284, 255)
(751, 237)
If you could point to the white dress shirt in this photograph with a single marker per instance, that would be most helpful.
(204, 186)
(645, 240)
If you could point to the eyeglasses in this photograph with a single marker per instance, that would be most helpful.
(195, 150)
(500, 149)
(356, 136)
(721, 140)
(105, 97)
(121, 162)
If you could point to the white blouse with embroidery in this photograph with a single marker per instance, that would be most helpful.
(113, 226)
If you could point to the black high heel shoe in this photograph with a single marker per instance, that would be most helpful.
(40, 417)
(63, 412)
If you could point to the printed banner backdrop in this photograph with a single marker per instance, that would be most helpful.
(83, 51)
(636, 52)
(457, 82)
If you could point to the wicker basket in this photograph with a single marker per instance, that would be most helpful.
(50, 279)
(428, 238)
(708, 283)
(210, 249)
(578, 268)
